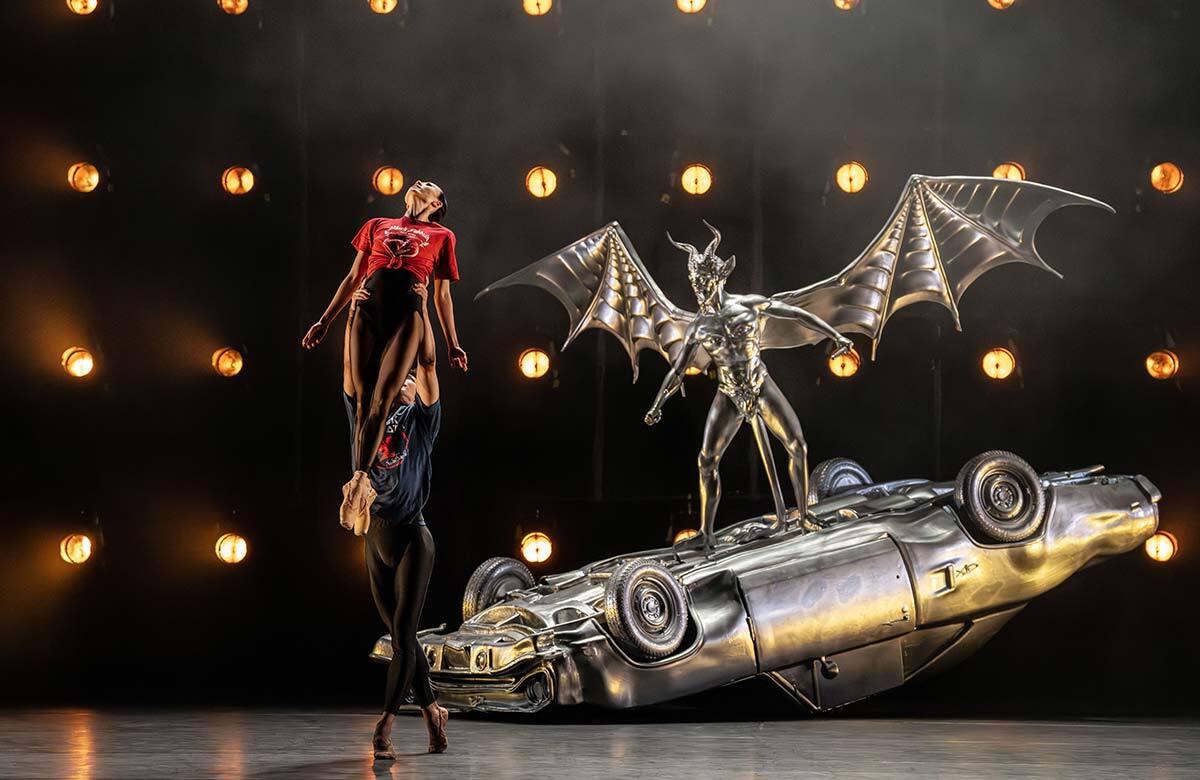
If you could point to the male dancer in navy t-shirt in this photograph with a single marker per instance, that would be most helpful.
(399, 548)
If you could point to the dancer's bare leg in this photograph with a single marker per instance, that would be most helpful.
(398, 357)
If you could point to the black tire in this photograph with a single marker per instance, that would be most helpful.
(833, 476)
(645, 609)
(494, 578)
(1001, 497)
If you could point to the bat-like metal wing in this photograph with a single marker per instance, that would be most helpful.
(944, 233)
(602, 283)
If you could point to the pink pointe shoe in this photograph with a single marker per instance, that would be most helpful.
(361, 497)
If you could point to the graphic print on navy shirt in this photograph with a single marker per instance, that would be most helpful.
(403, 465)
(394, 447)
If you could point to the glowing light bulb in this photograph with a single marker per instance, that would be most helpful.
(536, 547)
(852, 177)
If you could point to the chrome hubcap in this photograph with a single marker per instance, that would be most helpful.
(1004, 496)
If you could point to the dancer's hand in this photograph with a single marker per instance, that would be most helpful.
(314, 335)
(360, 294)
(422, 291)
(458, 357)
(844, 345)
(653, 416)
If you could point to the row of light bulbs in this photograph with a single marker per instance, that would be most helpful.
(997, 363)
(232, 548)
(77, 548)
(79, 362)
(531, 7)
(542, 182)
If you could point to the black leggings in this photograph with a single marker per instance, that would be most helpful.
(399, 562)
(384, 332)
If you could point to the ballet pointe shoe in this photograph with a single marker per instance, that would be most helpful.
(363, 498)
(382, 748)
(346, 511)
(435, 721)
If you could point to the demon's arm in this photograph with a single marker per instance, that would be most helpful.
(602, 283)
(944, 233)
(673, 381)
(785, 311)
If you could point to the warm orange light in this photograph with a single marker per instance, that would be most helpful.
(541, 182)
(845, 364)
(75, 548)
(232, 548)
(852, 177)
(685, 534)
(1000, 5)
(1166, 177)
(82, 7)
(237, 180)
(388, 180)
(77, 361)
(697, 179)
(692, 371)
(845, 5)
(234, 7)
(537, 7)
(691, 6)
(83, 177)
(1009, 170)
(534, 363)
(998, 363)
(1162, 546)
(536, 547)
(227, 361)
(383, 6)
(1162, 364)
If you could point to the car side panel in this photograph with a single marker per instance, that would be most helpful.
(832, 600)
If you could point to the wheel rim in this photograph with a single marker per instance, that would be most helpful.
(653, 607)
(1004, 495)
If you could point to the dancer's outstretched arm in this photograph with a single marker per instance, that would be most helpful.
(427, 381)
(445, 309)
(340, 298)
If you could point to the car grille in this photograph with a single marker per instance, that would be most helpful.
(454, 658)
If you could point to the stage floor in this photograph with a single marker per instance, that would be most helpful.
(91, 745)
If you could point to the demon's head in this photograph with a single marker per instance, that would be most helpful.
(706, 271)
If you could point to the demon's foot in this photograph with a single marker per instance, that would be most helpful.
(705, 542)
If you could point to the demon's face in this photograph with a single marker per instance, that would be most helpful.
(706, 271)
(707, 274)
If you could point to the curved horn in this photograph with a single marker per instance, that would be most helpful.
(691, 250)
(712, 245)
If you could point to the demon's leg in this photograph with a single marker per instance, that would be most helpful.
(768, 458)
(719, 429)
(781, 420)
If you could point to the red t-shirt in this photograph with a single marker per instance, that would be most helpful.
(420, 247)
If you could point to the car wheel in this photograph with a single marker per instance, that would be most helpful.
(492, 580)
(645, 609)
(1001, 496)
(833, 476)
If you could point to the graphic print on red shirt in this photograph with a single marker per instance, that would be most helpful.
(420, 247)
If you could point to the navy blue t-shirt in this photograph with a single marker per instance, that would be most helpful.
(403, 466)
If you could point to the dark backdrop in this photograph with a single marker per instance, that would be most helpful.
(159, 267)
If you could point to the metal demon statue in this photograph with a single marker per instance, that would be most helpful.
(944, 233)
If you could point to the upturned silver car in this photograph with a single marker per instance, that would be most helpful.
(900, 579)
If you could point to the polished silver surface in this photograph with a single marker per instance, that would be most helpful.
(307, 745)
(943, 234)
(894, 585)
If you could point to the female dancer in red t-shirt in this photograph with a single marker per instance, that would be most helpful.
(387, 283)
(384, 328)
